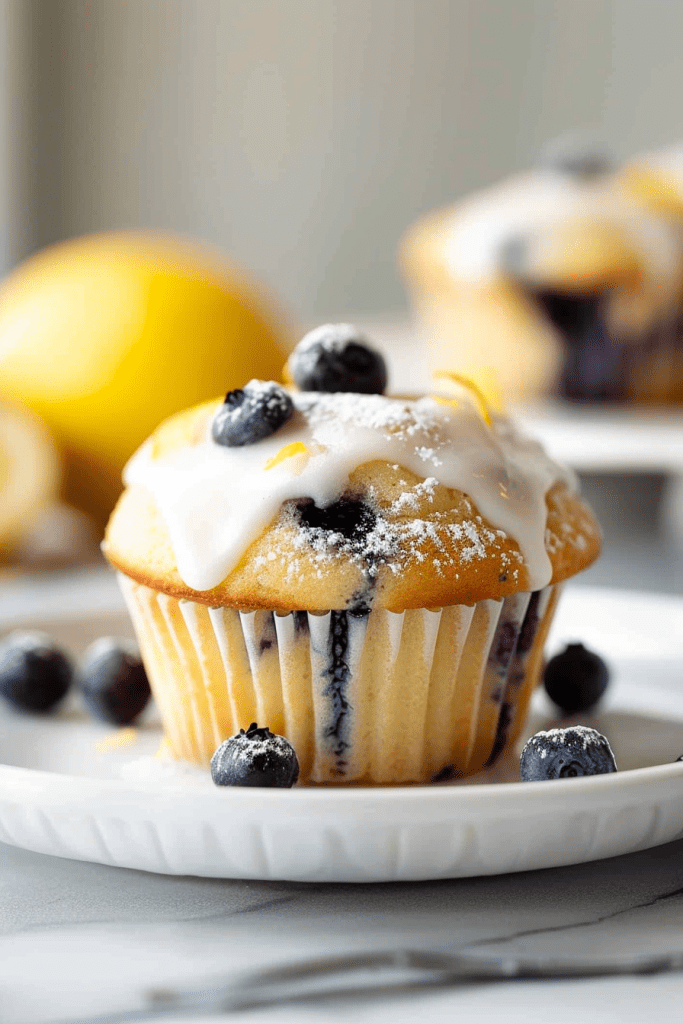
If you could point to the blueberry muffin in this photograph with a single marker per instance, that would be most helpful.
(372, 577)
(560, 279)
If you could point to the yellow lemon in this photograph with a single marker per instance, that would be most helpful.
(106, 335)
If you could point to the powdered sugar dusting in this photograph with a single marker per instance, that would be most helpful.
(331, 338)
(396, 543)
(216, 500)
(394, 418)
(587, 737)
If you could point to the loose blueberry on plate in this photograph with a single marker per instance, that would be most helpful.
(35, 674)
(255, 757)
(251, 413)
(576, 678)
(114, 681)
(566, 754)
(336, 357)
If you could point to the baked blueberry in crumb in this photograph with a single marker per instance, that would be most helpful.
(255, 757)
(336, 357)
(576, 678)
(566, 754)
(351, 518)
(114, 681)
(251, 413)
(35, 674)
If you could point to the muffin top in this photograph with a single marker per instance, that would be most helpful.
(314, 500)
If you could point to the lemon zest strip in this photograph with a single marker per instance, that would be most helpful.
(289, 450)
(474, 389)
(447, 401)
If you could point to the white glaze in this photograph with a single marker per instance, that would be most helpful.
(216, 500)
(537, 201)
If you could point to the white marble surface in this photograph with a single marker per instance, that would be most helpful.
(79, 939)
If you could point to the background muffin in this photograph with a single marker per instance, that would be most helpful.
(570, 280)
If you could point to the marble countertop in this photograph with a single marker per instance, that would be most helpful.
(78, 940)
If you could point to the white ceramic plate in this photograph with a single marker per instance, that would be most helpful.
(65, 790)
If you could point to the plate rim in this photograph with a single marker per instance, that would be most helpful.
(46, 787)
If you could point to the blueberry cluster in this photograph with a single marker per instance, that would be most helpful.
(255, 757)
(36, 674)
(334, 357)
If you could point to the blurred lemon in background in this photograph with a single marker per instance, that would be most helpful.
(104, 336)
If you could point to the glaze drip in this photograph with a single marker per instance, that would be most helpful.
(216, 500)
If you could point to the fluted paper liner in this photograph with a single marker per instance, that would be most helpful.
(381, 698)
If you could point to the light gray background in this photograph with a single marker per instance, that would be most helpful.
(304, 135)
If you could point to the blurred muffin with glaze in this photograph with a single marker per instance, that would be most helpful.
(559, 279)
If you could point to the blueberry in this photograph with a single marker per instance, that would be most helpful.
(255, 758)
(251, 413)
(578, 155)
(34, 673)
(576, 678)
(566, 753)
(113, 681)
(350, 517)
(336, 357)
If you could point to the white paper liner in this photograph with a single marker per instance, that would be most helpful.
(383, 698)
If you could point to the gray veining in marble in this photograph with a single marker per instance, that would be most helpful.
(80, 939)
